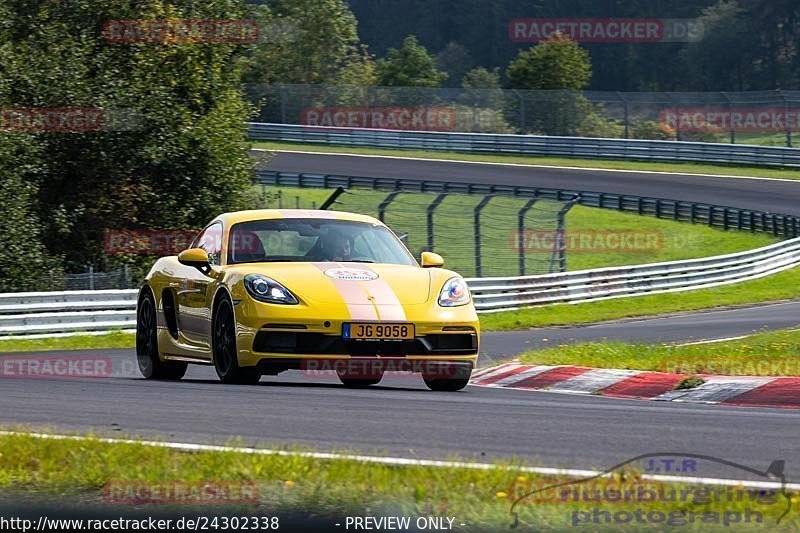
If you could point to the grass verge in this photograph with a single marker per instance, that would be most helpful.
(781, 286)
(58, 470)
(114, 339)
(764, 354)
(680, 168)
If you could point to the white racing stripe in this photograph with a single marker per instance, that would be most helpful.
(593, 381)
(502, 369)
(711, 341)
(525, 374)
(401, 461)
(715, 390)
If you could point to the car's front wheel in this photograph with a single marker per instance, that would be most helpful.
(226, 362)
(447, 378)
(150, 365)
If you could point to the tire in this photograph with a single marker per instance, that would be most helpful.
(150, 364)
(349, 380)
(223, 343)
(459, 379)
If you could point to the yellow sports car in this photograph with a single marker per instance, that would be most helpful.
(261, 292)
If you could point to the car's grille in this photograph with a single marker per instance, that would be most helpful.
(320, 344)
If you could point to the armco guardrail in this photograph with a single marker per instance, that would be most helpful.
(584, 147)
(30, 313)
(717, 216)
(504, 294)
(68, 312)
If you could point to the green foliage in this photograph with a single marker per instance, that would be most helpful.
(480, 78)
(652, 129)
(746, 44)
(320, 39)
(409, 66)
(551, 65)
(359, 69)
(176, 154)
(454, 60)
(24, 262)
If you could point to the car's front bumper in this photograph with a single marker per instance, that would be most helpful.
(288, 333)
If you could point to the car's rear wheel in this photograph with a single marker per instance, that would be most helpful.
(226, 361)
(447, 378)
(358, 379)
(150, 365)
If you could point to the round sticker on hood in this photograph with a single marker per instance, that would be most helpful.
(351, 274)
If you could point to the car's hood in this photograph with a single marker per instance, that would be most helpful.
(349, 283)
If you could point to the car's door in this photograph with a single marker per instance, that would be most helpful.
(194, 289)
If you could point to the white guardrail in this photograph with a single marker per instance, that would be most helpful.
(491, 143)
(48, 313)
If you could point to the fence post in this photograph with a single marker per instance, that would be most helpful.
(477, 226)
(91, 278)
(786, 114)
(385, 203)
(559, 247)
(521, 232)
(730, 109)
(123, 277)
(431, 209)
(621, 96)
(332, 198)
(677, 116)
(282, 93)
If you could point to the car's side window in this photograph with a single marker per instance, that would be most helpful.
(210, 240)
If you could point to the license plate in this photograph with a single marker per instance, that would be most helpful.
(383, 331)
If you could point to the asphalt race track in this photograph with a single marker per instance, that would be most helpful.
(776, 196)
(402, 418)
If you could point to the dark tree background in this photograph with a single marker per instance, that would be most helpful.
(749, 44)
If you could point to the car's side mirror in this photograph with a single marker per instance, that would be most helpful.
(431, 260)
(195, 257)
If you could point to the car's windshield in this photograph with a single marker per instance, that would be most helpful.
(314, 240)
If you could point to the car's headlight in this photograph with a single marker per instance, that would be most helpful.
(455, 292)
(268, 290)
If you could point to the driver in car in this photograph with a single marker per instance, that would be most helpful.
(336, 247)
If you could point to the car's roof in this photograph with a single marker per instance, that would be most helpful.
(236, 217)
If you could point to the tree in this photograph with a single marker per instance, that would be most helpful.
(316, 40)
(558, 63)
(172, 150)
(24, 262)
(409, 66)
(359, 69)
(720, 61)
(455, 61)
(480, 78)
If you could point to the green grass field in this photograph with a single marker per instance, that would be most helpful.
(79, 471)
(781, 286)
(763, 354)
(682, 168)
(455, 234)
